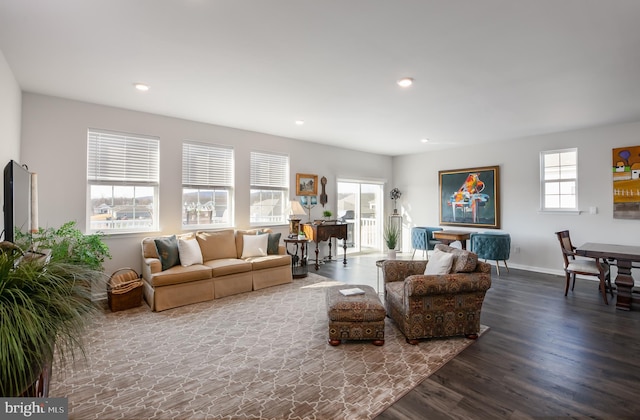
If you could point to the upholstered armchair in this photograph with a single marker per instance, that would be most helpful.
(425, 306)
(422, 238)
(492, 246)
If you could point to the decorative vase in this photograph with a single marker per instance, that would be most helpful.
(391, 255)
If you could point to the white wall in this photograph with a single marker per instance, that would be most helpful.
(54, 137)
(519, 161)
(10, 115)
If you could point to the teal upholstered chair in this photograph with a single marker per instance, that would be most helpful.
(422, 238)
(492, 246)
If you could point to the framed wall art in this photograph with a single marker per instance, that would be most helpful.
(626, 182)
(470, 197)
(306, 184)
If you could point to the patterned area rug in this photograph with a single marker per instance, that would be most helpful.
(259, 355)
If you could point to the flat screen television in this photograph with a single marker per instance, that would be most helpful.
(17, 200)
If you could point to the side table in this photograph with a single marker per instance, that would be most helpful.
(379, 265)
(299, 267)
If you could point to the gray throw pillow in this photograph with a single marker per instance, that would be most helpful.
(168, 251)
(274, 243)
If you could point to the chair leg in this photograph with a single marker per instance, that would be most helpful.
(573, 276)
(414, 253)
(566, 288)
(505, 265)
(498, 267)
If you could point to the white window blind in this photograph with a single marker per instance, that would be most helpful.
(122, 158)
(206, 165)
(269, 170)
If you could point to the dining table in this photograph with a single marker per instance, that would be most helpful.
(624, 256)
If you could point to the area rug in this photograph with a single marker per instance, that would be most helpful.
(258, 355)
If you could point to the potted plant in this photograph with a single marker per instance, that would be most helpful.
(327, 215)
(45, 304)
(67, 243)
(391, 235)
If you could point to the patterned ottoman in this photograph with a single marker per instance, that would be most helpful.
(355, 317)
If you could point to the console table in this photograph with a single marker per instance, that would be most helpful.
(324, 232)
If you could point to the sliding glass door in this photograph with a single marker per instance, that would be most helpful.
(360, 205)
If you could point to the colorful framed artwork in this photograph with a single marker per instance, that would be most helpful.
(306, 184)
(470, 197)
(626, 182)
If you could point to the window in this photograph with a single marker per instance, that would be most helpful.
(122, 176)
(269, 188)
(559, 180)
(207, 185)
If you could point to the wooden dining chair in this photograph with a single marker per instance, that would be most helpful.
(584, 266)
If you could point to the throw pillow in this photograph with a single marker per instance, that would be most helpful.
(168, 251)
(255, 246)
(463, 261)
(274, 244)
(189, 252)
(439, 263)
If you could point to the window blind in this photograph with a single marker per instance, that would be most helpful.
(269, 170)
(122, 158)
(206, 165)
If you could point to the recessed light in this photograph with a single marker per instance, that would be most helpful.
(141, 87)
(424, 140)
(299, 122)
(405, 82)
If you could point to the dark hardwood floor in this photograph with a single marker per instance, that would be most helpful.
(545, 355)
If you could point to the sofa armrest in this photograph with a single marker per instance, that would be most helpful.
(429, 285)
(150, 266)
(398, 270)
(282, 250)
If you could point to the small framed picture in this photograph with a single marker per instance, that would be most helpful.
(306, 184)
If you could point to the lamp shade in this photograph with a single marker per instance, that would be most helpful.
(296, 208)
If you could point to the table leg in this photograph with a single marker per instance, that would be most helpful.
(624, 283)
(317, 264)
(344, 246)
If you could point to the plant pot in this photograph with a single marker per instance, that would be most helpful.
(391, 254)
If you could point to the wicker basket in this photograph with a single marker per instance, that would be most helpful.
(124, 290)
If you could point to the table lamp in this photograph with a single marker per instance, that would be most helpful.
(295, 210)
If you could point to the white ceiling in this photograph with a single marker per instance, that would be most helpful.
(484, 70)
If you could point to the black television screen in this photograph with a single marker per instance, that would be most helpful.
(17, 200)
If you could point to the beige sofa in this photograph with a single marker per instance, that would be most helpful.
(223, 271)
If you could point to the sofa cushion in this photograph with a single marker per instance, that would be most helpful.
(179, 274)
(269, 261)
(189, 251)
(226, 266)
(440, 262)
(168, 251)
(395, 293)
(255, 246)
(463, 261)
(217, 244)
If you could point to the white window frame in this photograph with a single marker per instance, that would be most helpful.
(116, 162)
(566, 173)
(207, 168)
(269, 175)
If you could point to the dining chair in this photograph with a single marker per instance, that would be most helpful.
(584, 266)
